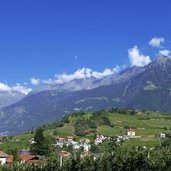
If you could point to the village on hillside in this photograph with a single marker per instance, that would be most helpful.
(84, 146)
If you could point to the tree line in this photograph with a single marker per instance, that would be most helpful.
(135, 159)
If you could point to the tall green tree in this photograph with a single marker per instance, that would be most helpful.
(41, 144)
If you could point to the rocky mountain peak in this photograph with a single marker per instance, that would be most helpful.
(162, 59)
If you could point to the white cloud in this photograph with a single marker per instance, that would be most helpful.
(4, 87)
(156, 42)
(136, 58)
(83, 73)
(105, 73)
(35, 81)
(164, 52)
(17, 87)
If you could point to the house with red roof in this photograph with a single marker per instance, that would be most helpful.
(131, 133)
(65, 154)
(5, 158)
(27, 158)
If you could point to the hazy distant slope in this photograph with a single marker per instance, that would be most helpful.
(7, 98)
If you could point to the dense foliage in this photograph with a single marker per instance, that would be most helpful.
(85, 125)
(133, 159)
(132, 154)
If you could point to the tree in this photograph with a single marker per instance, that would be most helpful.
(95, 148)
(41, 145)
(55, 132)
(113, 143)
(66, 119)
(166, 143)
(14, 152)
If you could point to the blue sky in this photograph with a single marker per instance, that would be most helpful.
(41, 38)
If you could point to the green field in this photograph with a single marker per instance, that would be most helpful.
(65, 131)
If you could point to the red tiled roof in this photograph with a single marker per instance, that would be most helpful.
(27, 157)
(65, 154)
(131, 130)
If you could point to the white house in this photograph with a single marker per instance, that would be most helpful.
(131, 133)
(76, 146)
(162, 135)
(99, 139)
(60, 142)
(70, 139)
(118, 140)
(32, 141)
(85, 140)
(86, 147)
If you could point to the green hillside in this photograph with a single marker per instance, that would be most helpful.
(115, 122)
(148, 125)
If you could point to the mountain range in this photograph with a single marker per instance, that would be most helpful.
(8, 97)
(144, 88)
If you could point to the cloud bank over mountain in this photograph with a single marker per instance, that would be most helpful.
(136, 58)
(35, 81)
(17, 88)
(84, 73)
(164, 52)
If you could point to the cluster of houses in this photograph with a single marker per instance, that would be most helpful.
(25, 157)
(83, 143)
(130, 134)
(99, 139)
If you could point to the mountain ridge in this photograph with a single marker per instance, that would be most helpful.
(7, 98)
(145, 88)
